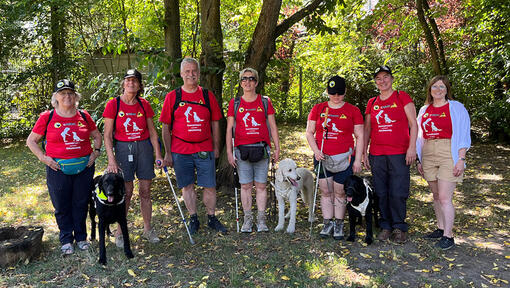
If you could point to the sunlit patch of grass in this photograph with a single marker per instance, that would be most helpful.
(336, 270)
(490, 177)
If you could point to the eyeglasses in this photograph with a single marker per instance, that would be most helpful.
(69, 93)
(250, 78)
(436, 87)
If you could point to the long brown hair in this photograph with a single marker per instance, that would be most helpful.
(443, 78)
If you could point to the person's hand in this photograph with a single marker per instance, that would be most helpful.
(92, 158)
(50, 162)
(420, 168)
(410, 155)
(159, 163)
(112, 167)
(458, 169)
(167, 161)
(276, 154)
(216, 153)
(231, 159)
(356, 166)
(366, 163)
(319, 156)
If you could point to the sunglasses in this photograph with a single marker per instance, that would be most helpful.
(437, 87)
(251, 78)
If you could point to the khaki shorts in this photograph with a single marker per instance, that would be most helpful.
(437, 161)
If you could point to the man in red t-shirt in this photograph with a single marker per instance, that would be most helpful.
(191, 135)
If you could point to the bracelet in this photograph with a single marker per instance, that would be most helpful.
(98, 150)
(463, 159)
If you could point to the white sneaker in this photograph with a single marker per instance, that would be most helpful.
(248, 222)
(151, 236)
(119, 241)
(261, 222)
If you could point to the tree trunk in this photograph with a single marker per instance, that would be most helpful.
(212, 68)
(59, 68)
(173, 30)
(439, 39)
(262, 45)
(124, 28)
(429, 38)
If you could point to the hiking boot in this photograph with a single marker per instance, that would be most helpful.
(215, 224)
(445, 243)
(261, 222)
(438, 233)
(399, 236)
(338, 229)
(151, 236)
(384, 235)
(194, 224)
(248, 222)
(327, 230)
(119, 241)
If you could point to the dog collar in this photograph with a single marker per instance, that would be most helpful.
(362, 208)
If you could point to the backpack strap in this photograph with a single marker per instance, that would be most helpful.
(117, 99)
(265, 103)
(48, 123)
(178, 101)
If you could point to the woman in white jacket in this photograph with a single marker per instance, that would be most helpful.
(442, 143)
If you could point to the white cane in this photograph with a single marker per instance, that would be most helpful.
(324, 127)
(178, 205)
(235, 187)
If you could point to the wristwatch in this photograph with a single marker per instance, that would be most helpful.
(463, 159)
(98, 150)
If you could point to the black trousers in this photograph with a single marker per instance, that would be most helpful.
(391, 179)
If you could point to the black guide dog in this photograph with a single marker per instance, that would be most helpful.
(362, 201)
(111, 208)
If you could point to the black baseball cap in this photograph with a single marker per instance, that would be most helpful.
(336, 85)
(383, 68)
(64, 84)
(133, 73)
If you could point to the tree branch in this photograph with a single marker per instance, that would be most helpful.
(296, 17)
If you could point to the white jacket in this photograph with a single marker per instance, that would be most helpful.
(461, 129)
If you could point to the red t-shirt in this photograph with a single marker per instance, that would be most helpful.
(66, 137)
(191, 131)
(131, 124)
(251, 126)
(389, 124)
(340, 127)
(437, 123)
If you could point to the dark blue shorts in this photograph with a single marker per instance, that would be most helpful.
(339, 177)
(185, 166)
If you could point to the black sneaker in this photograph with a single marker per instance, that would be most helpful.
(215, 224)
(194, 224)
(445, 243)
(438, 233)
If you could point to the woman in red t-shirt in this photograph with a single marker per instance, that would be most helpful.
(252, 131)
(443, 140)
(68, 132)
(333, 123)
(128, 120)
(390, 128)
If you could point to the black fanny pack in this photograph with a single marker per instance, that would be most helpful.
(252, 153)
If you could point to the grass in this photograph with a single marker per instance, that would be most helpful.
(270, 259)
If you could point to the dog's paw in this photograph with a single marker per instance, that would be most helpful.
(351, 238)
(291, 230)
(130, 255)
(102, 262)
(369, 240)
(278, 228)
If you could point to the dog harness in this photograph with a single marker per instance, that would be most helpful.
(102, 198)
(362, 208)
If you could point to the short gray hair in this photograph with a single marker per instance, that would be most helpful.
(251, 70)
(54, 101)
(189, 60)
